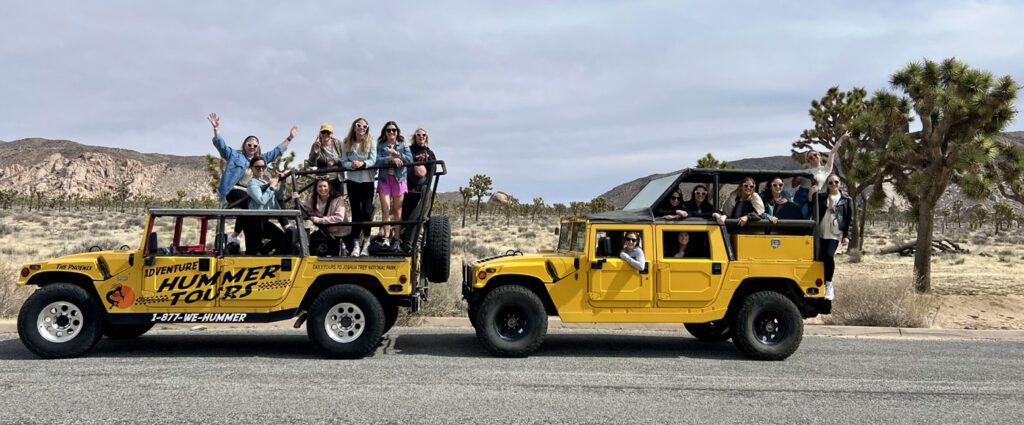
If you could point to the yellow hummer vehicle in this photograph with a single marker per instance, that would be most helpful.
(753, 283)
(186, 270)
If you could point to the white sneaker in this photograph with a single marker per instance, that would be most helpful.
(366, 248)
(355, 249)
(830, 291)
(387, 242)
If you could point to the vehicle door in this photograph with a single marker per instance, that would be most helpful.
(180, 263)
(612, 281)
(691, 276)
(259, 277)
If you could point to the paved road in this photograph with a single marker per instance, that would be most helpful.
(437, 375)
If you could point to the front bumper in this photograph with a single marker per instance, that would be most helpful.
(467, 280)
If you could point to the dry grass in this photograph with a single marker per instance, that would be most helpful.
(869, 302)
(11, 295)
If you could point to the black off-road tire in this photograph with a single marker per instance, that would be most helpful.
(511, 322)
(716, 331)
(346, 321)
(437, 248)
(768, 326)
(75, 311)
(390, 316)
(127, 331)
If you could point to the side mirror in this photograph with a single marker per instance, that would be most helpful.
(599, 264)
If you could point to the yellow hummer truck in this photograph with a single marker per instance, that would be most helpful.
(187, 270)
(753, 283)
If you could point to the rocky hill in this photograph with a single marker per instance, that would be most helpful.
(62, 167)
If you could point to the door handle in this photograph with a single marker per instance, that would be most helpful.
(716, 268)
(204, 264)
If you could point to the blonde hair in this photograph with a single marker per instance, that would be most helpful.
(352, 142)
(426, 138)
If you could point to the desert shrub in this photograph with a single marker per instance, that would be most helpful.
(133, 223)
(6, 229)
(863, 301)
(979, 239)
(528, 234)
(11, 295)
(84, 245)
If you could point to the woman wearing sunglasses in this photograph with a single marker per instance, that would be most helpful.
(736, 205)
(698, 205)
(672, 208)
(835, 213)
(418, 175)
(632, 253)
(262, 193)
(391, 182)
(234, 181)
(805, 189)
(358, 153)
(774, 197)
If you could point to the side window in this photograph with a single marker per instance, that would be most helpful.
(611, 242)
(580, 232)
(686, 245)
(564, 236)
(263, 236)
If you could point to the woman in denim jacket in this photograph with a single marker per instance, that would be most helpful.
(235, 180)
(358, 154)
(391, 182)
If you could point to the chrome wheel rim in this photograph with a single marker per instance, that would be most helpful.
(345, 322)
(60, 322)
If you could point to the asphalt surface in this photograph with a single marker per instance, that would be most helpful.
(442, 375)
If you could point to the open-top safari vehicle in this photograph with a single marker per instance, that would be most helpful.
(753, 283)
(185, 271)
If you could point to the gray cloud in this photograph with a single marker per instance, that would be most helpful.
(555, 99)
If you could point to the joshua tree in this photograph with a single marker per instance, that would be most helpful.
(480, 184)
(466, 194)
(709, 161)
(961, 110)
(600, 204)
(537, 207)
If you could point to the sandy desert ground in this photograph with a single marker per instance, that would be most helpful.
(980, 290)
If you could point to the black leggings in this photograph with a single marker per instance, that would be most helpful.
(234, 195)
(827, 254)
(360, 195)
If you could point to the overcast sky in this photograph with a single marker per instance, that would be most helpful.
(562, 100)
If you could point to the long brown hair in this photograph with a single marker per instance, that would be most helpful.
(383, 138)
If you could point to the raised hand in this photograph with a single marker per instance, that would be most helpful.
(214, 120)
(293, 132)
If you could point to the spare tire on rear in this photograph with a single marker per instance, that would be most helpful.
(437, 249)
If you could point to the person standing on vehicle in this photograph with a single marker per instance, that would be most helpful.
(327, 152)
(262, 193)
(632, 253)
(234, 181)
(358, 154)
(806, 189)
(391, 182)
(419, 176)
(835, 213)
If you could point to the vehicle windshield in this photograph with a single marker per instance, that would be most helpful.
(572, 236)
(650, 193)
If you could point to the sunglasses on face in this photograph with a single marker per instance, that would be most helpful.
(675, 198)
(391, 130)
(362, 126)
(259, 167)
(700, 193)
(252, 145)
(834, 182)
(421, 135)
(776, 184)
(325, 133)
(631, 240)
(748, 186)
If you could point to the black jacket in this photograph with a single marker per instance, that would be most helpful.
(420, 154)
(844, 210)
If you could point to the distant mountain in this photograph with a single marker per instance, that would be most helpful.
(63, 167)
